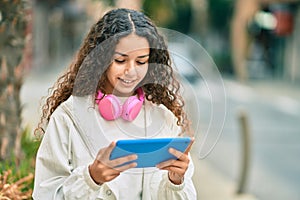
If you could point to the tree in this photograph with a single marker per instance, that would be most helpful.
(12, 44)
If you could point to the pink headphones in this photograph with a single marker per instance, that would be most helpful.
(110, 106)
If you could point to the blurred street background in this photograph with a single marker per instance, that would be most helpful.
(255, 48)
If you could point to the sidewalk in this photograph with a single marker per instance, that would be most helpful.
(213, 185)
(283, 95)
(269, 89)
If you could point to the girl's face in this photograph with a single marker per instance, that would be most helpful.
(129, 65)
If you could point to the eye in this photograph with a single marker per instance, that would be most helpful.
(141, 62)
(119, 60)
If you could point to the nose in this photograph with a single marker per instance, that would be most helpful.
(130, 69)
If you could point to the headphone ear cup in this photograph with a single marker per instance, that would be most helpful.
(110, 107)
(131, 108)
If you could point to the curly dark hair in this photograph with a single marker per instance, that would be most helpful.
(96, 54)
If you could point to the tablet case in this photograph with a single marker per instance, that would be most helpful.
(150, 152)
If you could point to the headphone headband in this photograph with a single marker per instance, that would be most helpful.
(140, 93)
(110, 106)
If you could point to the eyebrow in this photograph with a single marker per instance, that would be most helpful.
(122, 54)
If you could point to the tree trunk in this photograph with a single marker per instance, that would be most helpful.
(199, 24)
(12, 42)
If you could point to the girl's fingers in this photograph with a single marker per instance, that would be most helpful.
(189, 147)
(103, 169)
(109, 149)
(173, 163)
(119, 161)
(182, 162)
(178, 154)
(126, 167)
(175, 170)
(104, 154)
(165, 164)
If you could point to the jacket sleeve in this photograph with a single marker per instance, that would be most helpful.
(54, 176)
(185, 191)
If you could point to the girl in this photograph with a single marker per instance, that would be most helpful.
(121, 85)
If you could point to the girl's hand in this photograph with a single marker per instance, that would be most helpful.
(177, 168)
(103, 169)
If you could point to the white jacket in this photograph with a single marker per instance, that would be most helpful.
(75, 134)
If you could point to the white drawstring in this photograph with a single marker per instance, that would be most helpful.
(70, 151)
(145, 125)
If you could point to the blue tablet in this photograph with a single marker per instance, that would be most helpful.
(150, 152)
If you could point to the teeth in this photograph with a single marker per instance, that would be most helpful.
(126, 81)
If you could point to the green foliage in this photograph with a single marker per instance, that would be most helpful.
(27, 163)
(220, 13)
(29, 144)
(173, 14)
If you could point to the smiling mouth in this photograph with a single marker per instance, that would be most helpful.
(126, 81)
